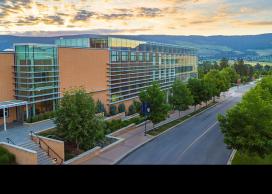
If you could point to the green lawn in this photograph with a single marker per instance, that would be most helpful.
(241, 158)
(163, 128)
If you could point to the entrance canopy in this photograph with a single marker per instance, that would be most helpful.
(10, 104)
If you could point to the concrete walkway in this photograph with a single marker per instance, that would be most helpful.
(19, 133)
(135, 138)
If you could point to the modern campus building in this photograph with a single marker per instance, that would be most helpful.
(34, 76)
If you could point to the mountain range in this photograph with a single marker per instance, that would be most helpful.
(209, 47)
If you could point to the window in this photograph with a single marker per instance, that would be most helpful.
(140, 57)
(124, 55)
(133, 56)
(114, 56)
(148, 58)
(6, 113)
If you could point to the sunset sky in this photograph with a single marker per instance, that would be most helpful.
(175, 17)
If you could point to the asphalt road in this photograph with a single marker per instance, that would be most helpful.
(196, 141)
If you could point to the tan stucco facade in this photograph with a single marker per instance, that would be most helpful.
(87, 68)
(7, 86)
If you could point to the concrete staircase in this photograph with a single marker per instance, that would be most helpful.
(43, 158)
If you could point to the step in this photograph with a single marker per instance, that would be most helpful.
(43, 158)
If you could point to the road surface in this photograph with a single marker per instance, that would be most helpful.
(196, 141)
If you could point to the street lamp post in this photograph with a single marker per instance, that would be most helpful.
(145, 111)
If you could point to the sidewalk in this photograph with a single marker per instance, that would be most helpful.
(135, 138)
(19, 133)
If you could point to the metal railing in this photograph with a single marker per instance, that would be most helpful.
(10, 141)
(40, 141)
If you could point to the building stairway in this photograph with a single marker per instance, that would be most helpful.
(43, 158)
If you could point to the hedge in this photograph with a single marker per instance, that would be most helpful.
(41, 117)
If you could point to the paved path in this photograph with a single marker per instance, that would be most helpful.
(196, 141)
(19, 133)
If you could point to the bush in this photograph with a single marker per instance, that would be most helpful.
(121, 108)
(6, 157)
(100, 107)
(131, 109)
(41, 117)
(113, 110)
(137, 106)
(115, 125)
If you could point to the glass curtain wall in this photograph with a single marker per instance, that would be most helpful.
(134, 65)
(37, 76)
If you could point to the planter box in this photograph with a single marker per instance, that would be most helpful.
(116, 117)
(30, 124)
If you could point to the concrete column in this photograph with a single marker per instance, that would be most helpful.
(4, 115)
(26, 111)
(33, 110)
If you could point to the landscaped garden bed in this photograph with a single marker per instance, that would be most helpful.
(70, 148)
(41, 117)
(115, 125)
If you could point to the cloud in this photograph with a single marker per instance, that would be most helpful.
(54, 19)
(138, 16)
(260, 23)
(83, 15)
(115, 16)
(149, 12)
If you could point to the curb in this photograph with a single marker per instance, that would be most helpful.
(231, 157)
(153, 137)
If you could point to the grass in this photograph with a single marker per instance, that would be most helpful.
(163, 128)
(246, 159)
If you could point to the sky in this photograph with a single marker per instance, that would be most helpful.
(169, 17)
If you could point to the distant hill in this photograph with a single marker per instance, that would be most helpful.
(248, 46)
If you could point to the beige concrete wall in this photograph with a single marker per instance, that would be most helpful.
(23, 156)
(81, 159)
(85, 68)
(56, 145)
(7, 86)
(6, 76)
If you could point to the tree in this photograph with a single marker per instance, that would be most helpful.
(113, 110)
(75, 118)
(195, 87)
(224, 62)
(247, 126)
(100, 107)
(156, 99)
(121, 108)
(231, 74)
(216, 82)
(206, 93)
(181, 97)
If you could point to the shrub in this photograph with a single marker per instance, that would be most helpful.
(131, 109)
(40, 117)
(113, 110)
(121, 108)
(6, 157)
(137, 106)
(99, 107)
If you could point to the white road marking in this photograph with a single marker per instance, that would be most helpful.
(198, 138)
